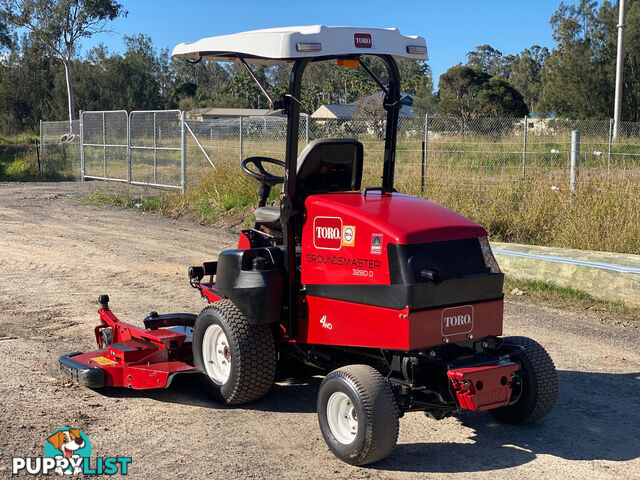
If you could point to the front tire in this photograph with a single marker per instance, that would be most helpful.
(538, 388)
(358, 414)
(238, 358)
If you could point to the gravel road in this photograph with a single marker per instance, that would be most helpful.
(57, 255)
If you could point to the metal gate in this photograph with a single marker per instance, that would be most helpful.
(140, 148)
(157, 150)
(104, 145)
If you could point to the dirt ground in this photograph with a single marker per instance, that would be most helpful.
(57, 255)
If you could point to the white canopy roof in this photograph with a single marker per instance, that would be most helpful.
(283, 45)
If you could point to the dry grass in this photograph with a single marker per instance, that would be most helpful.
(512, 210)
(480, 178)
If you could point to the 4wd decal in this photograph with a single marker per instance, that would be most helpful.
(326, 324)
(327, 233)
(457, 320)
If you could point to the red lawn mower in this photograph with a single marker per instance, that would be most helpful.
(396, 300)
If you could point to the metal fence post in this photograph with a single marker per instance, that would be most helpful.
(524, 147)
(104, 143)
(425, 151)
(183, 153)
(307, 118)
(575, 159)
(155, 151)
(82, 167)
(42, 148)
(38, 157)
(240, 135)
(609, 153)
(128, 115)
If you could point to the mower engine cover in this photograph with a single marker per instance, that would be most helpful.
(396, 269)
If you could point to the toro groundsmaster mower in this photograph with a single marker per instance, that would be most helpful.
(397, 300)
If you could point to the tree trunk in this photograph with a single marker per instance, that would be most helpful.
(67, 71)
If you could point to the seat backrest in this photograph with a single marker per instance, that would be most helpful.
(330, 165)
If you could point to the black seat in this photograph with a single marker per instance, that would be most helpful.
(326, 165)
(330, 165)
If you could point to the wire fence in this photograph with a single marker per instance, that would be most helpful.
(60, 149)
(156, 148)
(161, 148)
(104, 145)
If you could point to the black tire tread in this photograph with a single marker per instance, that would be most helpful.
(546, 383)
(381, 409)
(256, 356)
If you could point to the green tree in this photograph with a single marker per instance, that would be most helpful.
(487, 59)
(459, 87)
(417, 80)
(6, 39)
(26, 86)
(526, 74)
(468, 92)
(497, 98)
(60, 24)
(578, 75)
(209, 77)
(141, 75)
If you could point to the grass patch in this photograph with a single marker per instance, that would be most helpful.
(18, 163)
(218, 196)
(567, 297)
(101, 198)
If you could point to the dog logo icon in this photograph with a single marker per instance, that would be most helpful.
(71, 444)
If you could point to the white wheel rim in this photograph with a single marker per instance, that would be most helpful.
(342, 418)
(216, 354)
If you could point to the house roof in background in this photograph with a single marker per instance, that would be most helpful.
(233, 112)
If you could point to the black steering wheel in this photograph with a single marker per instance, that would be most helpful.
(262, 175)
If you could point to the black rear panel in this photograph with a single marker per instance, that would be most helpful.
(450, 259)
(428, 275)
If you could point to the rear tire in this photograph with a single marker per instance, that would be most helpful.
(238, 358)
(358, 414)
(539, 384)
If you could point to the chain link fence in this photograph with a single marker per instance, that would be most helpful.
(433, 152)
(60, 150)
(104, 145)
(156, 148)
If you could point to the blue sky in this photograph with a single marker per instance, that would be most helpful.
(451, 28)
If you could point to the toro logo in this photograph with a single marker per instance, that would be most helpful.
(457, 320)
(362, 40)
(327, 233)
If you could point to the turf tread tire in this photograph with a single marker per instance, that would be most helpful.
(540, 383)
(380, 409)
(253, 353)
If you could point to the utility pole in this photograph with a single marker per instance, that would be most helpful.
(617, 110)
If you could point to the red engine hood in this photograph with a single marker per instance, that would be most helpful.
(405, 219)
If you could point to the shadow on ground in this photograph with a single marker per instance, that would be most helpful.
(289, 396)
(595, 419)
